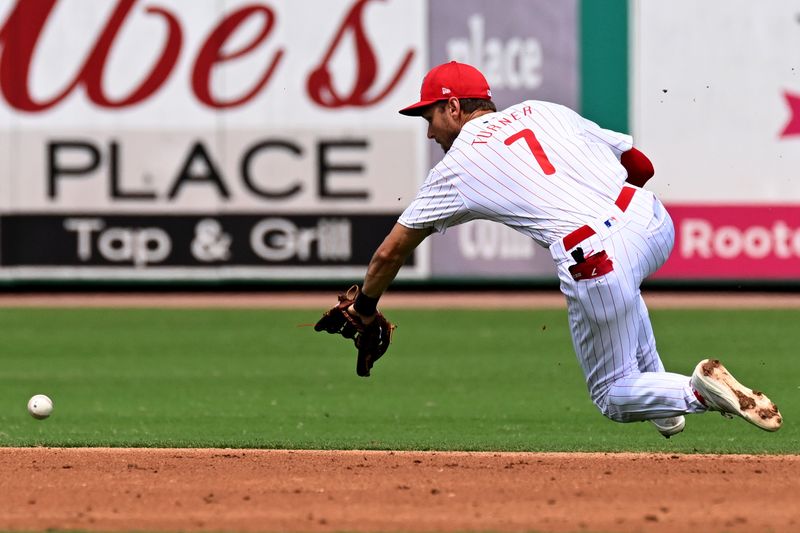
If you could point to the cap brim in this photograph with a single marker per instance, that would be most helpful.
(416, 110)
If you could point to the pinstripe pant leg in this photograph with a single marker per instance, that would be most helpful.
(651, 392)
(613, 336)
(604, 333)
(646, 355)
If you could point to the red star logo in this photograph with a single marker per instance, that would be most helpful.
(793, 126)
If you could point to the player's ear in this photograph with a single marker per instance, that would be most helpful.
(453, 107)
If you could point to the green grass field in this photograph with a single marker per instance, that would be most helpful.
(460, 380)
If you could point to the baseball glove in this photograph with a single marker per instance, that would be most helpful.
(371, 340)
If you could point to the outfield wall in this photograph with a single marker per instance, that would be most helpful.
(233, 140)
(716, 103)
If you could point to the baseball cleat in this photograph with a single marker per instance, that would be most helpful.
(669, 426)
(719, 391)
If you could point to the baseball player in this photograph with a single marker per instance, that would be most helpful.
(576, 189)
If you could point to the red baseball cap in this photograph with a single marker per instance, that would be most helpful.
(449, 80)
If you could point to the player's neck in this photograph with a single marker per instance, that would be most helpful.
(475, 114)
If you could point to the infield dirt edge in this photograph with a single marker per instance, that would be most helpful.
(182, 489)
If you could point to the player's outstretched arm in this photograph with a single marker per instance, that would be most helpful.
(390, 256)
(369, 329)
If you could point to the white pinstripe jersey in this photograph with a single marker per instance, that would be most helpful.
(537, 167)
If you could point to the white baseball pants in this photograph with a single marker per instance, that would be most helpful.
(609, 322)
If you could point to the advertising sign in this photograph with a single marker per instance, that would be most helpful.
(717, 108)
(169, 139)
(735, 242)
(208, 138)
(248, 241)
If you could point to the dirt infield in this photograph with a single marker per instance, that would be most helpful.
(320, 300)
(258, 490)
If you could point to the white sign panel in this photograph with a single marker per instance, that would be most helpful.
(132, 132)
(209, 63)
(716, 88)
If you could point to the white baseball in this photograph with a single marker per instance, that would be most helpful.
(40, 406)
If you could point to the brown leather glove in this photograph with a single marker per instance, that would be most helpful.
(371, 340)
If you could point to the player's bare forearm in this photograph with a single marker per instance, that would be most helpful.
(389, 257)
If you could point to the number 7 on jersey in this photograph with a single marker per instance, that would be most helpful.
(536, 149)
